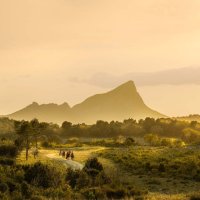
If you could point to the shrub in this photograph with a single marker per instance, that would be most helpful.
(118, 193)
(195, 197)
(57, 193)
(161, 167)
(129, 141)
(26, 190)
(148, 166)
(72, 177)
(3, 187)
(93, 167)
(46, 144)
(8, 150)
(89, 194)
(7, 161)
(102, 179)
(37, 198)
(43, 175)
(12, 185)
(83, 180)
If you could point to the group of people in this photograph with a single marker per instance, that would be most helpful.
(67, 154)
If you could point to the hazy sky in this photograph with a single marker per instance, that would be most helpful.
(66, 50)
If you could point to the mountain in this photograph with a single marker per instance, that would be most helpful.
(120, 103)
(45, 112)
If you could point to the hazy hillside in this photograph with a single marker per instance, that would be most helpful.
(121, 103)
(45, 112)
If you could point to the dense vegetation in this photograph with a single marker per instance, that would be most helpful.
(148, 150)
(47, 181)
(187, 131)
(182, 163)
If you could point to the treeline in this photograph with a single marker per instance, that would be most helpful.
(188, 131)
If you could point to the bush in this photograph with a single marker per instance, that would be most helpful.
(46, 144)
(93, 167)
(129, 141)
(12, 185)
(195, 197)
(26, 190)
(58, 193)
(72, 177)
(89, 194)
(43, 175)
(7, 161)
(118, 193)
(83, 180)
(8, 150)
(102, 179)
(3, 187)
(161, 167)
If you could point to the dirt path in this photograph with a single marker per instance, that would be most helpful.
(68, 163)
(82, 154)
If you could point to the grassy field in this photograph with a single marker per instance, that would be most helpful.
(81, 154)
(178, 179)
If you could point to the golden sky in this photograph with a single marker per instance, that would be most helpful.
(53, 50)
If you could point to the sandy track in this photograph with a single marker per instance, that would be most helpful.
(68, 163)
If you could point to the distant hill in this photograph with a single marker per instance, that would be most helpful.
(120, 103)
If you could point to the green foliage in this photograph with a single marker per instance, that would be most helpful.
(46, 144)
(7, 161)
(8, 150)
(116, 193)
(129, 141)
(175, 162)
(195, 197)
(3, 187)
(93, 167)
(72, 177)
(26, 190)
(42, 175)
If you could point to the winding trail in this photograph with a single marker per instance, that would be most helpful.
(68, 163)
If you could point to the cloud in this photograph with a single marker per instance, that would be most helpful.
(180, 76)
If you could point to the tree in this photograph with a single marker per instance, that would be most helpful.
(25, 131)
(38, 130)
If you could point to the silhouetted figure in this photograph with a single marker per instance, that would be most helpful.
(72, 155)
(67, 155)
(60, 153)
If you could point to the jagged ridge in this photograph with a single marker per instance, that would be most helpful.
(118, 104)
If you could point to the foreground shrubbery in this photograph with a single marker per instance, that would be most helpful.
(42, 175)
(8, 150)
(42, 181)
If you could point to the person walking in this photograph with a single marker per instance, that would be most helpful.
(67, 155)
(72, 155)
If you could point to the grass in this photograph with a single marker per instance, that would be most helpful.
(129, 164)
(81, 154)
